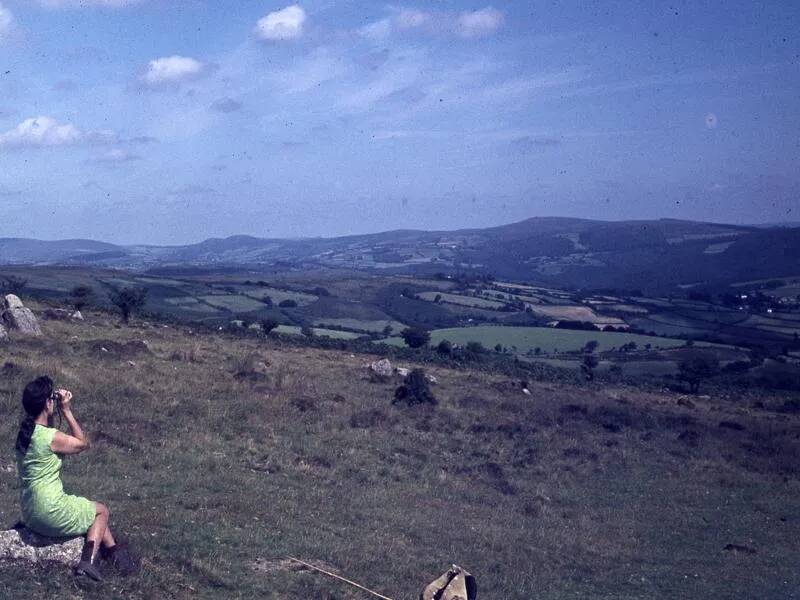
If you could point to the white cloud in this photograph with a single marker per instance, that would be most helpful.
(172, 70)
(282, 24)
(480, 22)
(6, 19)
(39, 132)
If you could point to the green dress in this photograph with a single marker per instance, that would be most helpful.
(46, 509)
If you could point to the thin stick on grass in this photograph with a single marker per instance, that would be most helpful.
(329, 574)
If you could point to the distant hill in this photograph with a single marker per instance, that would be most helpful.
(652, 255)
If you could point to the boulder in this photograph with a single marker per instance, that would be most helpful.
(402, 371)
(3, 333)
(12, 301)
(23, 544)
(22, 320)
(382, 368)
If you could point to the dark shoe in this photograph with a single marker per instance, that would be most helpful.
(123, 561)
(85, 567)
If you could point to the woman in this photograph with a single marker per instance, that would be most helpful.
(46, 509)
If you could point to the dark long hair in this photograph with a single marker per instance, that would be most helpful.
(34, 401)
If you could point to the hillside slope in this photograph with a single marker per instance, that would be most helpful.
(654, 255)
(219, 456)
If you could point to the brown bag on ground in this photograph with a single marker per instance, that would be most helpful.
(456, 584)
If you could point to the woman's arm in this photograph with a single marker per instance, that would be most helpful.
(69, 444)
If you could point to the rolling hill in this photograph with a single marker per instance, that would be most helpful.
(656, 255)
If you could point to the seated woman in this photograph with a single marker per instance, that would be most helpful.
(46, 509)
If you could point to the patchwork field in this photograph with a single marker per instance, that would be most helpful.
(547, 339)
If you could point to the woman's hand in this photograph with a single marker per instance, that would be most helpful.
(65, 399)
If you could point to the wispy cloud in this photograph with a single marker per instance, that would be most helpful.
(284, 24)
(6, 20)
(117, 156)
(480, 23)
(88, 3)
(468, 24)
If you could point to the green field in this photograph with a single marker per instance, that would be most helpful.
(330, 333)
(547, 339)
(463, 300)
(368, 326)
(233, 303)
(277, 295)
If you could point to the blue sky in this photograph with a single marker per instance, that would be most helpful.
(160, 121)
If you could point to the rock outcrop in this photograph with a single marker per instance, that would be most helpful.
(15, 316)
(62, 314)
(23, 544)
(3, 333)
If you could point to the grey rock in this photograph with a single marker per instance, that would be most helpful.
(382, 368)
(23, 544)
(3, 333)
(12, 301)
(22, 320)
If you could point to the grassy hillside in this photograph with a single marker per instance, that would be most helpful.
(219, 456)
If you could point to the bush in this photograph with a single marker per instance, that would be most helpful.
(445, 347)
(415, 390)
(128, 300)
(307, 331)
(80, 296)
(11, 284)
(288, 303)
(267, 325)
(267, 300)
(416, 337)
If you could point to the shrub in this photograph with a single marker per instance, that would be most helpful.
(267, 300)
(267, 325)
(473, 349)
(80, 296)
(415, 390)
(128, 300)
(307, 331)
(12, 284)
(588, 365)
(416, 337)
(288, 303)
(445, 347)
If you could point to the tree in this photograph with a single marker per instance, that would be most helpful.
(128, 300)
(416, 337)
(288, 303)
(588, 365)
(13, 285)
(498, 348)
(267, 300)
(387, 331)
(697, 368)
(80, 296)
(438, 298)
(591, 346)
(307, 331)
(267, 325)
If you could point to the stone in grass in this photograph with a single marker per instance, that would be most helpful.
(23, 544)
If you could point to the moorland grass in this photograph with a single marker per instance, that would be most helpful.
(221, 455)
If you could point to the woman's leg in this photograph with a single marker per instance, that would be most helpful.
(99, 533)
